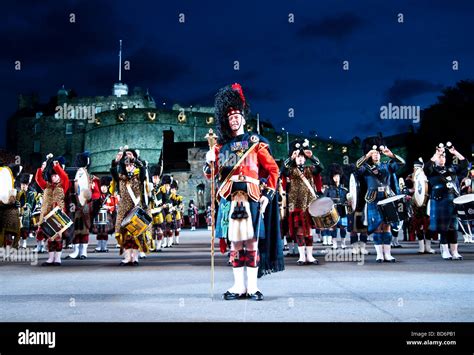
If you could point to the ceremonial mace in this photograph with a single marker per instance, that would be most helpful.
(211, 140)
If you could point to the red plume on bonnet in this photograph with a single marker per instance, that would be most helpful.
(238, 88)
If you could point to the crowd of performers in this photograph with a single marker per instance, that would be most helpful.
(385, 205)
(259, 208)
(63, 206)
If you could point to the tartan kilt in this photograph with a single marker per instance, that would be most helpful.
(299, 219)
(442, 216)
(374, 218)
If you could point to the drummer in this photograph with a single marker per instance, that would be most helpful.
(443, 180)
(301, 191)
(337, 193)
(108, 204)
(129, 173)
(27, 199)
(358, 234)
(9, 212)
(177, 215)
(85, 212)
(420, 221)
(193, 215)
(54, 181)
(167, 210)
(156, 206)
(377, 177)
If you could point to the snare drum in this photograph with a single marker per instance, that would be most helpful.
(464, 207)
(101, 218)
(35, 218)
(394, 209)
(136, 222)
(56, 222)
(324, 212)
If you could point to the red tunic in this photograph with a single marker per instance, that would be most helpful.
(258, 164)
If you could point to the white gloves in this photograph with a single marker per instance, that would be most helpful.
(263, 203)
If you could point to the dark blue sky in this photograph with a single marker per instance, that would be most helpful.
(282, 65)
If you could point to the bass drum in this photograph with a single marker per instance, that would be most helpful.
(81, 186)
(357, 189)
(464, 207)
(6, 184)
(420, 195)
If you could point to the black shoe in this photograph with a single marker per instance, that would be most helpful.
(300, 263)
(56, 264)
(135, 263)
(391, 261)
(229, 296)
(124, 264)
(257, 296)
(47, 264)
(82, 257)
(397, 246)
(315, 262)
(379, 260)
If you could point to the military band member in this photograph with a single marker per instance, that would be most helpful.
(54, 181)
(467, 187)
(108, 203)
(84, 214)
(420, 221)
(301, 191)
(358, 237)
(156, 207)
(443, 180)
(10, 209)
(129, 173)
(337, 193)
(193, 215)
(240, 160)
(167, 211)
(177, 202)
(27, 199)
(377, 176)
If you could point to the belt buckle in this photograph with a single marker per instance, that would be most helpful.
(241, 177)
(381, 189)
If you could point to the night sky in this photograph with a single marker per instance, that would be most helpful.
(282, 65)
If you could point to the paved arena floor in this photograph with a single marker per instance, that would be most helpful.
(174, 286)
